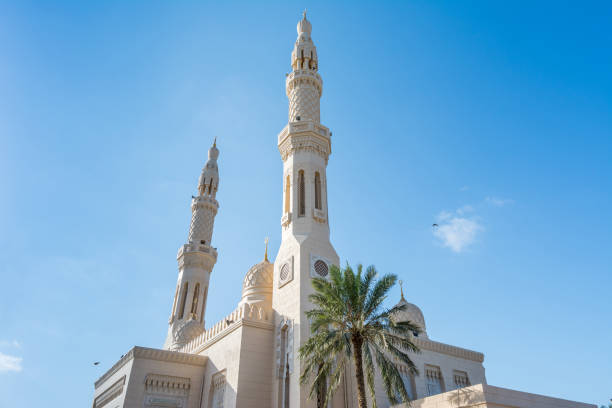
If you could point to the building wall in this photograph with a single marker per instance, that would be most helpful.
(256, 365)
(223, 359)
(487, 396)
(173, 377)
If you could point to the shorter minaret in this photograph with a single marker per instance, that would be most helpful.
(196, 260)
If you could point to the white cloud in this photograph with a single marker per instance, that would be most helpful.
(7, 343)
(456, 231)
(498, 202)
(9, 363)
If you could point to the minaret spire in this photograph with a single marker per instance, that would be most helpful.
(196, 259)
(305, 251)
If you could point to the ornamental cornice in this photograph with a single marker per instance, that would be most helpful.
(298, 77)
(205, 202)
(305, 127)
(146, 353)
(308, 143)
(430, 345)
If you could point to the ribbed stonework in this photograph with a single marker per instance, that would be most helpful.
(305, 251)
(196, 260)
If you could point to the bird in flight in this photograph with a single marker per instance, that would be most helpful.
(434, 225)
(96, 363)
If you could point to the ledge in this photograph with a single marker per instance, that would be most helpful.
(426, 344)
(152, 354)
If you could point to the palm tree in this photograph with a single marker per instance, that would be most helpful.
(349, 322)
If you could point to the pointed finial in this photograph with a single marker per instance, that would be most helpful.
(215, 142)
(402, 289)
(304, 14)
(266, 253)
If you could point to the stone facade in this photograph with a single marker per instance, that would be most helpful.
(250, 357)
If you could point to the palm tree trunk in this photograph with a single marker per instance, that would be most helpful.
(357, 343)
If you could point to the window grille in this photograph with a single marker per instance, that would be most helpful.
(183, 300)
(321, 268)
(301, 194)
(218, 391)
(461, 379)
(434, 380)
(317, 191)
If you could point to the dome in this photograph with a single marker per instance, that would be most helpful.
(413, 314)
(257, 283)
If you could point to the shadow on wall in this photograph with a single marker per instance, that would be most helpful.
(464, 397)
(216, 390)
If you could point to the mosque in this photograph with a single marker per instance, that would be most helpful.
(249, 358)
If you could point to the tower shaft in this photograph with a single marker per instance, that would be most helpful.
(306, 250)
(196, 260)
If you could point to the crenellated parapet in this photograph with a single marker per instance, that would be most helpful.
(244, 314)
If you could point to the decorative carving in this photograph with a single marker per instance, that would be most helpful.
(185, 331)
(167, 384)
(110, 393)
(304, 142)
(152, 354)
(258, 275)
(319, 267)
(285, 272)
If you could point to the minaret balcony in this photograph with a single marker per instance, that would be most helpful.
(306, 74)
(304, 127)
(192, 247)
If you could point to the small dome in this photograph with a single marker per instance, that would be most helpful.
(413, 314)
(304, 25)
(258, 279)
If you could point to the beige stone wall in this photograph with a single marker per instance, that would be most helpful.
(482, 395)
(177, 379)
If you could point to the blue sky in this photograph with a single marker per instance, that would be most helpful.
(492, 119)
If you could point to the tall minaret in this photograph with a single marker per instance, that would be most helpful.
(195, 260)
(305, 250)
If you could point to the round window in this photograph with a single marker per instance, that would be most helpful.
(284, 272)
(321, 268)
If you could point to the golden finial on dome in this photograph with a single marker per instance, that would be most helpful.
(215, 142)
(266, 253)
(402, 290)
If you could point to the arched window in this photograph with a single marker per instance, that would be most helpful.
(301, 194)
(287, 194)
(203, 304)
(183, 300)
(284, 380)
(317, 190)
(194, 302)
(175, 300)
